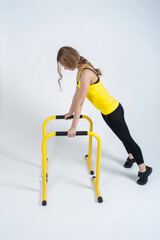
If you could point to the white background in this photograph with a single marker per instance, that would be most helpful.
(122, 39)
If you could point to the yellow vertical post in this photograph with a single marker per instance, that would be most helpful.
(44, 166)
(98, 162)
(90, 147)
(88, 156)
(44, 170)
(96, 179)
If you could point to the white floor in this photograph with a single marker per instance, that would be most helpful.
(129, 211)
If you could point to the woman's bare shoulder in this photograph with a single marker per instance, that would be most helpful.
(87, 73)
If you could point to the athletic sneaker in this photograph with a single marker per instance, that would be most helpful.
(129, 162)
(144, 176)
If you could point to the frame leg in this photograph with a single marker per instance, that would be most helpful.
(88, 156)
(44, 171)
(96, 179)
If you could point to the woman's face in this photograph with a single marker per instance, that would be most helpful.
(67, 68)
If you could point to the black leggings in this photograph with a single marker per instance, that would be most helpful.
(116, 122)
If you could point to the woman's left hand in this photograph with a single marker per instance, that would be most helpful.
(71, 132)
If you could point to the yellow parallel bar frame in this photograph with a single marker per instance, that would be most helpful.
(44, 157)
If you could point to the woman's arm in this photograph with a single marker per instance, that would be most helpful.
(84, 86)
(74, 100)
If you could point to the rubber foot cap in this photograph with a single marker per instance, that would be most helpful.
(100, 199)
(44, 203)
(92, 172)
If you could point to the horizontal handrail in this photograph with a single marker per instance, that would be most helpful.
(78, 133)
(63, 116)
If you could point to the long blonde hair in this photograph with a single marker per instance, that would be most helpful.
(71, 58)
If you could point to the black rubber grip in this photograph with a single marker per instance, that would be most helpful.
(78, 133)
(62, 116)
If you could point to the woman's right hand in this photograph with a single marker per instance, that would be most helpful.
(67, 115)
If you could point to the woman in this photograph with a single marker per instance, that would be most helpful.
(111, 109)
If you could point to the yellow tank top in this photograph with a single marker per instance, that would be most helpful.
(99, 96)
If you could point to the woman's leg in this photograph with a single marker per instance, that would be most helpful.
(128, 151)
(110, 125)
(130, 160)
(116, 122)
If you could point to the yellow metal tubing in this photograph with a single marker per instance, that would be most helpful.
(90, 144)
(96, 179)
(97, 188)
(44, 166)
(44, 129)
(45, 123)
